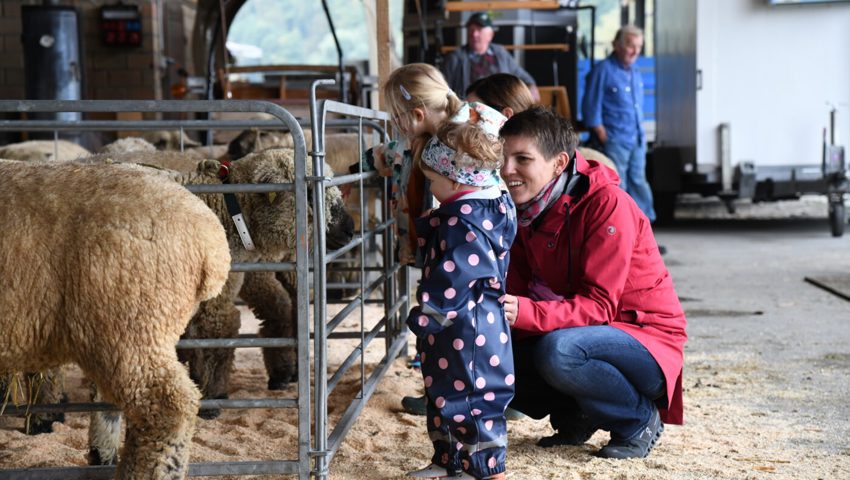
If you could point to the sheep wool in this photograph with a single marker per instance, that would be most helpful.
(43, 151)
(103, 266)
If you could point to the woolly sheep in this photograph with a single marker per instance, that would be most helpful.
(46, 387)
(108, 282)
(269, 220)
(271, 226)
(127, 145)
(591, 154)
(43, 150)
(170, 140)
(341, 151)
(137, 144)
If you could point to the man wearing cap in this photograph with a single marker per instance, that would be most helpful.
(480, 58)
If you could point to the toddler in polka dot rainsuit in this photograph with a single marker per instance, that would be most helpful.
(462, 334)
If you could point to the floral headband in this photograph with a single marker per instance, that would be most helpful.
(459, 166)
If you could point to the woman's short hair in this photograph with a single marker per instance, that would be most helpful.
(551, 132)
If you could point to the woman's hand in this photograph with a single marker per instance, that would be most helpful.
(511, 309)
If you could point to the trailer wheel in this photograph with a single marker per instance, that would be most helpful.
(665, 207)
(837, 216)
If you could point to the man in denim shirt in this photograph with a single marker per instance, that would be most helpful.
(613, 111)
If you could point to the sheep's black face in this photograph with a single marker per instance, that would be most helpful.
(340, 226)
(250, 141)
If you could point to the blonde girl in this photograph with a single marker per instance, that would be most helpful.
(419, 100)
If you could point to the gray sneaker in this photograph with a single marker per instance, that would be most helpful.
(637, 447)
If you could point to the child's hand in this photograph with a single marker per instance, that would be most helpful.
(426, 213)
(381, 164)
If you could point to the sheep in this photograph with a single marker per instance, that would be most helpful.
(101, 279)
(138, 144)
(341, 151)
(46, 387)
(269, 220)
(170, 140)
(43, 150)
(127, 145)
(591, 154)
(270, 225)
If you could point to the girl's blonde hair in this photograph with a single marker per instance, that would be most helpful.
(419, 85)
(474, 146)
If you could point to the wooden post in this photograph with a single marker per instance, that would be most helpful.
(384, 46)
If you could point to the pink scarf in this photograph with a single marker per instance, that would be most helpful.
(528, 211)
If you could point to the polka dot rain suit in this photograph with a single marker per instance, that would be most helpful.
(462, 334)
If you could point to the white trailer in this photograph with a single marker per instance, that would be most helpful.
(745, 93)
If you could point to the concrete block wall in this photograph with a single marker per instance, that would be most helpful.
(110, 72)
(116, 73)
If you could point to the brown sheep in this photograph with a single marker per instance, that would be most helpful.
(272, 228)
(342, 150)
(87, 250)
(591, 154)
(270, 221)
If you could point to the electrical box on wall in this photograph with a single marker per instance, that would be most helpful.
(121, 25)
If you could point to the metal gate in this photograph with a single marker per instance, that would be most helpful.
(385, 282)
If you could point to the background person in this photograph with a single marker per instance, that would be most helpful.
(504, 92)
(480, 58)
(598, 331)
(612, 109)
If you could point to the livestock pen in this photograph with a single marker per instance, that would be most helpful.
(382, 281)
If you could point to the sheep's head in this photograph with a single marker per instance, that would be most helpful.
(253, 140)
(270, 216)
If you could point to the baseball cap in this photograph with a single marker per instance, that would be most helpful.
(481, 19)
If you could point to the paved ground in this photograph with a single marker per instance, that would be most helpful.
(766, 377)
(742, 285)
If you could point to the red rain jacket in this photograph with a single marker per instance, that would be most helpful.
(605, 262)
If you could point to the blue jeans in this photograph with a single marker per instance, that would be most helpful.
(598, 373)
(631, 165)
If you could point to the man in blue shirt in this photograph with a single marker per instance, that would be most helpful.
(613, 111)
(481, 58)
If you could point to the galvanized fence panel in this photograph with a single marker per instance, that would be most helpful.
(389, 274)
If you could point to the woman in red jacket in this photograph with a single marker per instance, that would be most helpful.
(598, 329)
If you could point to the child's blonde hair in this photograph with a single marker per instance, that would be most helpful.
(480, 150)
(419, 85)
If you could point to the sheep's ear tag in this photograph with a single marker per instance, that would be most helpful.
(238, 220)
(242, 229)
(272, 196)
(224, 170)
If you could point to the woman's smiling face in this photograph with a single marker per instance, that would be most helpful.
(526, 171)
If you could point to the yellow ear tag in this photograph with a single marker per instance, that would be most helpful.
(272, 196)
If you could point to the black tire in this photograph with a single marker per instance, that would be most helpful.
(665, 207)
(837, 218)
